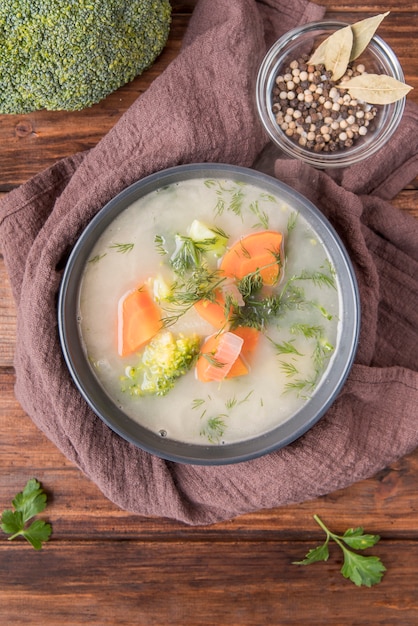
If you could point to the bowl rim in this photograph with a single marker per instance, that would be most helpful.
(101, 403)
(268, 70)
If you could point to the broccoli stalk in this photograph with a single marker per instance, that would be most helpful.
(163, 361)
(70, 54)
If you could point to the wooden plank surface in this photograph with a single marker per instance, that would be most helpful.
(106, 566)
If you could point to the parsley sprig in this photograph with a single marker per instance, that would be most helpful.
(360, 569)
(27, 504)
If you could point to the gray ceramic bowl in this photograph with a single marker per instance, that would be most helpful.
(100, 402)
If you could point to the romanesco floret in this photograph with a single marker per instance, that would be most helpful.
(70, 54)
(163, 361)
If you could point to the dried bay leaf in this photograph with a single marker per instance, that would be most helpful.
(363, 32)
(376, 88)
(318, 57)
(338, 51)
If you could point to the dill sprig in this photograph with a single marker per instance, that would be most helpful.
(189, 252)
(261, 215)
(210, 357)
(159, 242)
(214, 428)
(320, 279)
(292, 221)
(199, 284)
(97, 257)
(289, 369)
(228, 198)
(123, 248)
(285, 347)
(233, 402)
(321, 352)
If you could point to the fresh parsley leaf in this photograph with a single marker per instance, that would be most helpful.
(37, 533)
(11, 522)
(27, 504)
(355, 538)
(320, 553)
(360, 569)
(31, 501)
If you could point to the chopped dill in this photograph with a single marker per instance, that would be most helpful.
(228, 198)
(230, 403)
(159, 245)
(197, 402)
(323, 311)
(322, 350)
(250, 284)
(292, 221)
(244, 251)
(97, 258)
(289, 369)
(261, 215)
(233, 402)
(189, 252)
(123, 248)
(200, 283)
(307, 330)
(268, 197)
(300, 385)
(211, 359)
(236, 202)
(286, 347)
(320, 279)
(214, 428)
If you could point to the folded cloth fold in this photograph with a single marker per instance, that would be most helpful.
(202, 109)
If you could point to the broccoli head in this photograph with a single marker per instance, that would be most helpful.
(163, 361)
(70, 54)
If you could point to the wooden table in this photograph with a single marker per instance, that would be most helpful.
(105, 566)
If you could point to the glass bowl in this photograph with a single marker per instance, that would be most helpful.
(378, 58)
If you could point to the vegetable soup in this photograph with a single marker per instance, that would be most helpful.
(209, 310)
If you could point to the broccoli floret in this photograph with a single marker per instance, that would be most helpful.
(70, 54)
(163, 361)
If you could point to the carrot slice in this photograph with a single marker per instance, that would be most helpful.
(251, 337)
(258, 251)
(139, 320)
(218, 354)
(238, 368)
(213, 311)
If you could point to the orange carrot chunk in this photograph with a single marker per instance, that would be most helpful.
(139, 320)
(213, 311)
(258, 251)
(218, 354)
(238, 368)
(250, 337)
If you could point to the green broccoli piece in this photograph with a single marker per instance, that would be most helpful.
(70, 54)
(164, 360)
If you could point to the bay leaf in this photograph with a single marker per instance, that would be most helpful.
(363, 32)
(376, 88)
(338, 51)
(318, 57)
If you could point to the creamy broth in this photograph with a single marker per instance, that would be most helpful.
(296, 348)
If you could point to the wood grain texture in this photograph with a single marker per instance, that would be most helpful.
(104, 566)
(234, 583)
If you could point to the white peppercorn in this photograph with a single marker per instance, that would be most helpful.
(317, 113)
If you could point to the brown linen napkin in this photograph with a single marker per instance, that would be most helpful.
(202, 109)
